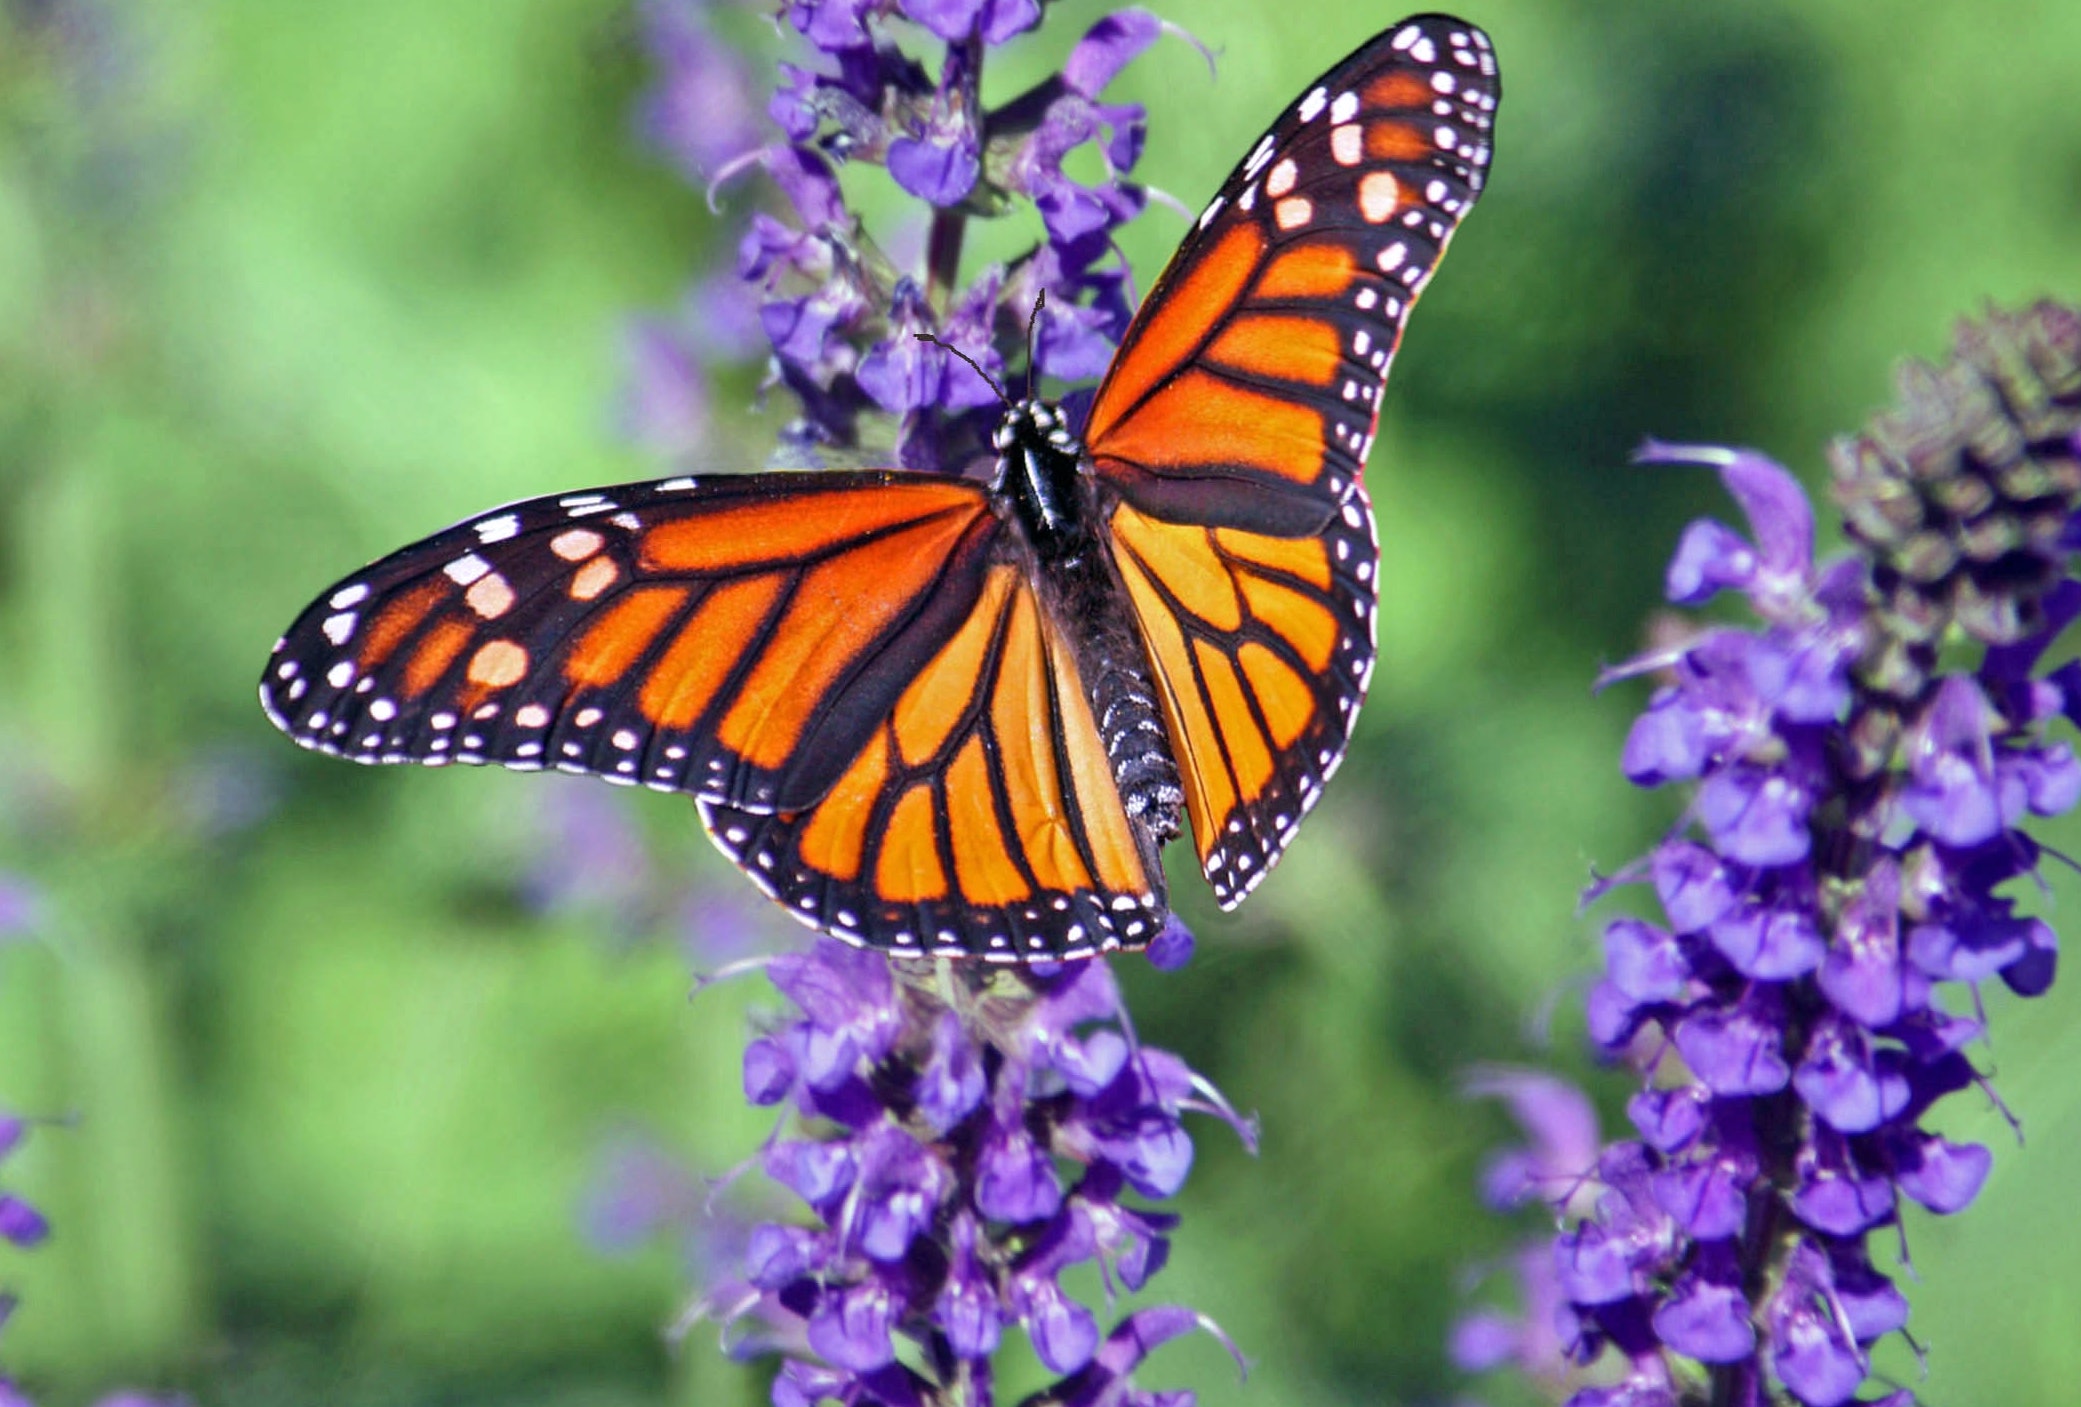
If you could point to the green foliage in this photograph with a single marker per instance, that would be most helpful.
(284, 286)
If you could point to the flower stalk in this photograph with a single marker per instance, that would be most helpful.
(958, 1137)
(1861, 767)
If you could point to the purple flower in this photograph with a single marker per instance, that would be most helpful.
(960, 1149)
(700, 109)
(21, 907)
(843, 317)
(1851, 835)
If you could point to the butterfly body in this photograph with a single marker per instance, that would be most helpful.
(943, 717)
(1044, 486)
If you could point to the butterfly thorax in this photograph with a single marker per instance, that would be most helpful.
(1043, 485)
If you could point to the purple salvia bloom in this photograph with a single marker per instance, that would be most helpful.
(1851, 834)
(700, 109)
(1560, 1154)
(840, 315)
(20, 1223)
(1171, 949)
(964, 1101)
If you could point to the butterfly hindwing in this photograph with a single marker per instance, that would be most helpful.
(737, 638)
(1255, 365)
(979, 820)
(1261, 647)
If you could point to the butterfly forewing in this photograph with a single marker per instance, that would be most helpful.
(737, 638)
(1255, 366)
(979, 820)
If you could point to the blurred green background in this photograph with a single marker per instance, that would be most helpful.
(337, 1058)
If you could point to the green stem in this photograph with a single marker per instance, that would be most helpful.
(963, 78)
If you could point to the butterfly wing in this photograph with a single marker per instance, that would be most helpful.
(979, 820)
(851, 672)
(1254, 368)
(1229, 436)
(738, 638)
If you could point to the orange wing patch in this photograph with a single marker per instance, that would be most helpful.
(1395, 141)
(1275, 348)
(437, 650)
(980, 819)
(907, 867)
(676, 694)
(400, 618)
(1261, 648)
(1305, 557)
(1263, 352)
(1173, 324)
(1308, 271)
(836, 835)
(738, 638)
(1199, 419)
(1400, 87)
(842, 606)
(783, 529)
(611, 647)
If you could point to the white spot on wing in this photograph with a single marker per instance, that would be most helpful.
(466, 569)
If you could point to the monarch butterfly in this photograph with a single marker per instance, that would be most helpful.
(944, 717)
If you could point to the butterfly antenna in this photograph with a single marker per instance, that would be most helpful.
(1040, 300)
(988, 379)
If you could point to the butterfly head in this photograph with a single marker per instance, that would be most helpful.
(1033, 422)
(1039, 464)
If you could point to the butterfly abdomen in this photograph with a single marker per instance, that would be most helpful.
(1116, 679)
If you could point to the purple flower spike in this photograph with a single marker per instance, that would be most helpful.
(939, 1208)
(1107, 47)
(1845, 1083)
(967, 1306)
(1833, 1197)
(938, 172)
(1560, 1126)
(1693, 885)
(1016, 1180)
(1064, 1333)
(700, 111)
(1862, 973)
(1849, 842)
(1643, 961)
(768, 1072)
(1782, 523)
(951, 1085)
(1712, 558)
